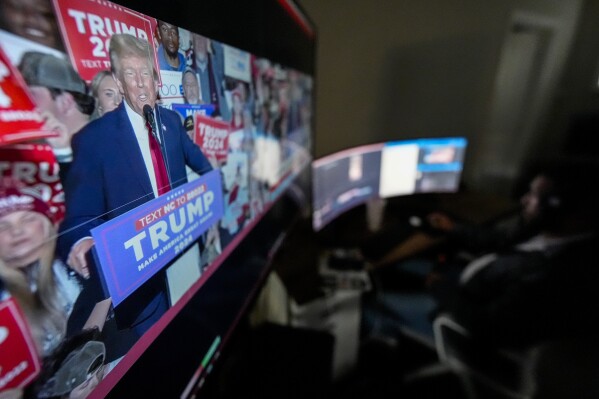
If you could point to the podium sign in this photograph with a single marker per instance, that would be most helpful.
(136, 245)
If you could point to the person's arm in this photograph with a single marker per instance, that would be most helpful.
(417, 242)
(84, 200)
(441, 222)
(76, 259)
(97, 317)
(413, 245)
(479, 238)
(470, 237)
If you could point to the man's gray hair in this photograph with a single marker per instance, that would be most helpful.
(123, 45)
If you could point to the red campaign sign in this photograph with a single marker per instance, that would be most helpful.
(19, 362)
(87, 25)
(18, 119)
(35, 167)
(212, 136)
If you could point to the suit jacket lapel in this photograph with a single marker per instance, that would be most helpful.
(130, 151)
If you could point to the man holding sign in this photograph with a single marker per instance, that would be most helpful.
(124, 159)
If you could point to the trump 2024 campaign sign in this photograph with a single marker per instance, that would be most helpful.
(136, 245)
(19, 121)
(87, 26)
(19, 363)
(212, 136)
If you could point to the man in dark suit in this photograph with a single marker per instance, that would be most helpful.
(113, 170)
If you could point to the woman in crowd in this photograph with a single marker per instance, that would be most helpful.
(105, 92)
(43, 286)
(237, 117)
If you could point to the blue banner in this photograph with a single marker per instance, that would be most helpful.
(136, 245)
(186, 110)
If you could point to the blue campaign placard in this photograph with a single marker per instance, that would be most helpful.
(136, 245)
(186, 110)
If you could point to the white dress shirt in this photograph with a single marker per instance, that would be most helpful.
(141, 134)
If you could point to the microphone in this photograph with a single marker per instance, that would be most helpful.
(149, 116)
(188, 123)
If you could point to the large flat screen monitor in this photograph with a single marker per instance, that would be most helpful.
(350, 177)
(150, 166)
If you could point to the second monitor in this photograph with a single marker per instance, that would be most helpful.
(349, 178)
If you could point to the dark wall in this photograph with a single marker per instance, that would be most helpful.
(400, 69)
(572, 128)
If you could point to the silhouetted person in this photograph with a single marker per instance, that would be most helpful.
(543, 287)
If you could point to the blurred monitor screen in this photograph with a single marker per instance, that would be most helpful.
(421, 166)
(344, 180)
(348, 178)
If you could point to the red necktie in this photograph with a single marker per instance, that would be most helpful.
(162, 181)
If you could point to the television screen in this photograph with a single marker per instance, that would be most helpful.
(149, 171)
(349, 178)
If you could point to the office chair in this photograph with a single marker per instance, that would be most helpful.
(483, 372)
(557, 369)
